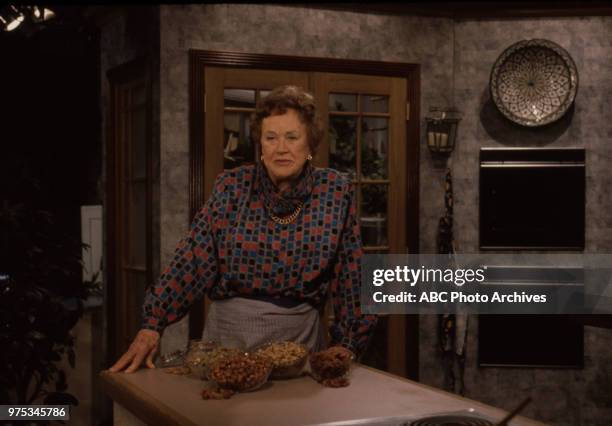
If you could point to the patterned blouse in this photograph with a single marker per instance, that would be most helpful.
(234, 248)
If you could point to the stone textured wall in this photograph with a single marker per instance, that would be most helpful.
(562, 397)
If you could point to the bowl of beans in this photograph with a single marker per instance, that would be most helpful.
(288, 358)
(241, 373)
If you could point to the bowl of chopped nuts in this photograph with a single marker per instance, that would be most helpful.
(210, 359)
(288, 358)
(197, 353)
(331, 367)
(242, 373)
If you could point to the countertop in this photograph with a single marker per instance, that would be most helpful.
(374, 397)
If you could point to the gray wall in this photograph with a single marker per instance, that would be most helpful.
(564, 397)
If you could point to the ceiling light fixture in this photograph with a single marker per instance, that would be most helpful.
(48, 14)
(12, 16)
(14, 20)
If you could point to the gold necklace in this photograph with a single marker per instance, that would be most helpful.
(288, 219)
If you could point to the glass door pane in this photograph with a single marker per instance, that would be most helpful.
(375, 103)
(238, 106)
(373, 220)
(343, 144)
(239, 98)
(139, 142)
(238, 148)
(136, 247)
(363, 156)
(374, 148)
(343, 102)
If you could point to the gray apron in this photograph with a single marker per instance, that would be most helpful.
(248, 323)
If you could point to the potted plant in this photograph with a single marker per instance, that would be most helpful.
(41, 298)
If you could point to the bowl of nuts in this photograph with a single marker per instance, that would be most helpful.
(288, 358)
(242, 373)
(215, 356)
(331, 367)
(197, 355)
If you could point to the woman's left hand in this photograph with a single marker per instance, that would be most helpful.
(143, 349)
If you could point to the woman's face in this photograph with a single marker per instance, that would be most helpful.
(284, 147)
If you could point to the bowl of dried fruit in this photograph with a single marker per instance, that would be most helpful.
(241, 373)
(288, 358)
(331, 367)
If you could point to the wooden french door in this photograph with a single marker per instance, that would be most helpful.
(365, 125)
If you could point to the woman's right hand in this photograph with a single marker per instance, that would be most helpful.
(143, 348)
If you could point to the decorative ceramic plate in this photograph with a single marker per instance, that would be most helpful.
(534, 82)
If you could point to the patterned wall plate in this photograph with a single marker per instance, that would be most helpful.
(534, 82)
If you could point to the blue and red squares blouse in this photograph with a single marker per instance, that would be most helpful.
(234, 248)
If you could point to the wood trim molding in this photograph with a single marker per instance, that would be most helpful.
(196, 135)
(199, 59)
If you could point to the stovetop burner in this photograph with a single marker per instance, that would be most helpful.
(450, 420)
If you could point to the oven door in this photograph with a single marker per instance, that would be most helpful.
(531, 203)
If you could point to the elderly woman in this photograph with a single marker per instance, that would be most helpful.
(268, 247)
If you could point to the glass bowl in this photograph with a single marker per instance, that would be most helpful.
(173, 359)
(197, 355)
(331, 366)
(202, 362)
(242, 373)
(288, 358)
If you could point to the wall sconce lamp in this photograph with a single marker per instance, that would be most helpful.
(442, 129)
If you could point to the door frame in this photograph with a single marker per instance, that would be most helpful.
(199, 59)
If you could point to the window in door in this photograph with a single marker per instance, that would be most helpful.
(358, 147)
